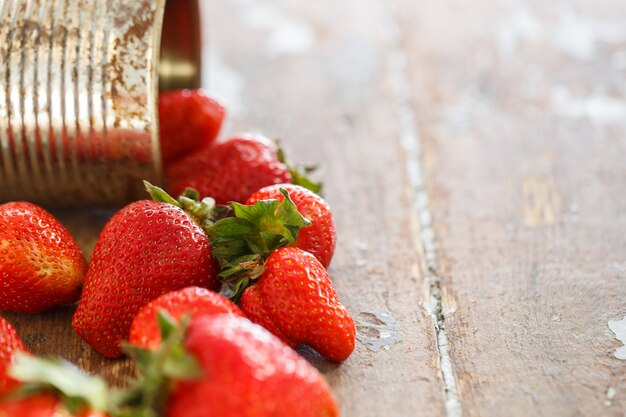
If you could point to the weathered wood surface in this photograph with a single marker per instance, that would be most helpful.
(292, 72)
(474, 156)
(324, 88)
(522, 111)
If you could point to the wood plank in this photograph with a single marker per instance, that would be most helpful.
(320, 83)
(522, 111)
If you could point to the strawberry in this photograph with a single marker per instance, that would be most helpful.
(53, 388)
(144, 331)
(279, 286)
(227, 366)
(188, 120)
(41, 405)
(296, 296)
(41, 266)
(10, 343)
(147, 249)
(319, 238)
(230, 170)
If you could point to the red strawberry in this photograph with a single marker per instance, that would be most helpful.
(188, 120)
(235, 369)
(319, 238)
(144, 331)
(230, 170)
(41, 266)
(10, 343)
(255, 311)
(293, 295)
(147, 249)
(296, 295)
(40, 405)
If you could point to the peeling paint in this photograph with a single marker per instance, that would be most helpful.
(573, 34)
(574, 37)
(599, 109)
(377, 330)
(618, 327)
(610, 394)
(287, 36)
(521, 26)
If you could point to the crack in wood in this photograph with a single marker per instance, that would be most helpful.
(411, 143)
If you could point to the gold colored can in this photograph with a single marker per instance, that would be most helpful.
(79, 85)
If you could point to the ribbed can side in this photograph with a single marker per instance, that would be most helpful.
(77, 100)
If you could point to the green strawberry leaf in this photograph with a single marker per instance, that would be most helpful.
(78, 390)
(146, 395)
(300, 174)
(242, 243)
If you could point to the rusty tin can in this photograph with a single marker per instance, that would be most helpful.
(79, 84)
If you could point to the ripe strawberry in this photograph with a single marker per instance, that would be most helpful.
(319, 238)
(147, 249)
(41, 266)
(296, 295)
(255, 311)
(230, 368)
(281, 287)
(10, 343)
(230, 170)
(144, 331)
(41, 405)
(188, 120)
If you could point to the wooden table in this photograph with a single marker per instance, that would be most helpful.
(474, 154)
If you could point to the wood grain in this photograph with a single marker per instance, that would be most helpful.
(522, 111)
(330, 102)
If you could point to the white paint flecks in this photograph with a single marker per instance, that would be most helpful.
(287, 36)
(610, 394)
(618, 327)
(578, 36)
(377, 330)
(573, 34)
(598, 109)
(521, 26)
(224, 82)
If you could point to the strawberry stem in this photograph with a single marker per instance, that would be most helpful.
(241, 244)
(147, 395)
(205, 212)
(77, 390)
(300, 174)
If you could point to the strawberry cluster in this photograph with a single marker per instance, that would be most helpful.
(209, 292)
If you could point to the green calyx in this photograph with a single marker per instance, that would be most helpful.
(147, 395)
(241, 244)
(205, 212)
(77, 390)
(300, 174)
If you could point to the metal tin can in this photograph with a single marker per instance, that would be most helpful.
(79, 84)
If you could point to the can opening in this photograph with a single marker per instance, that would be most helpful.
(181, 46)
